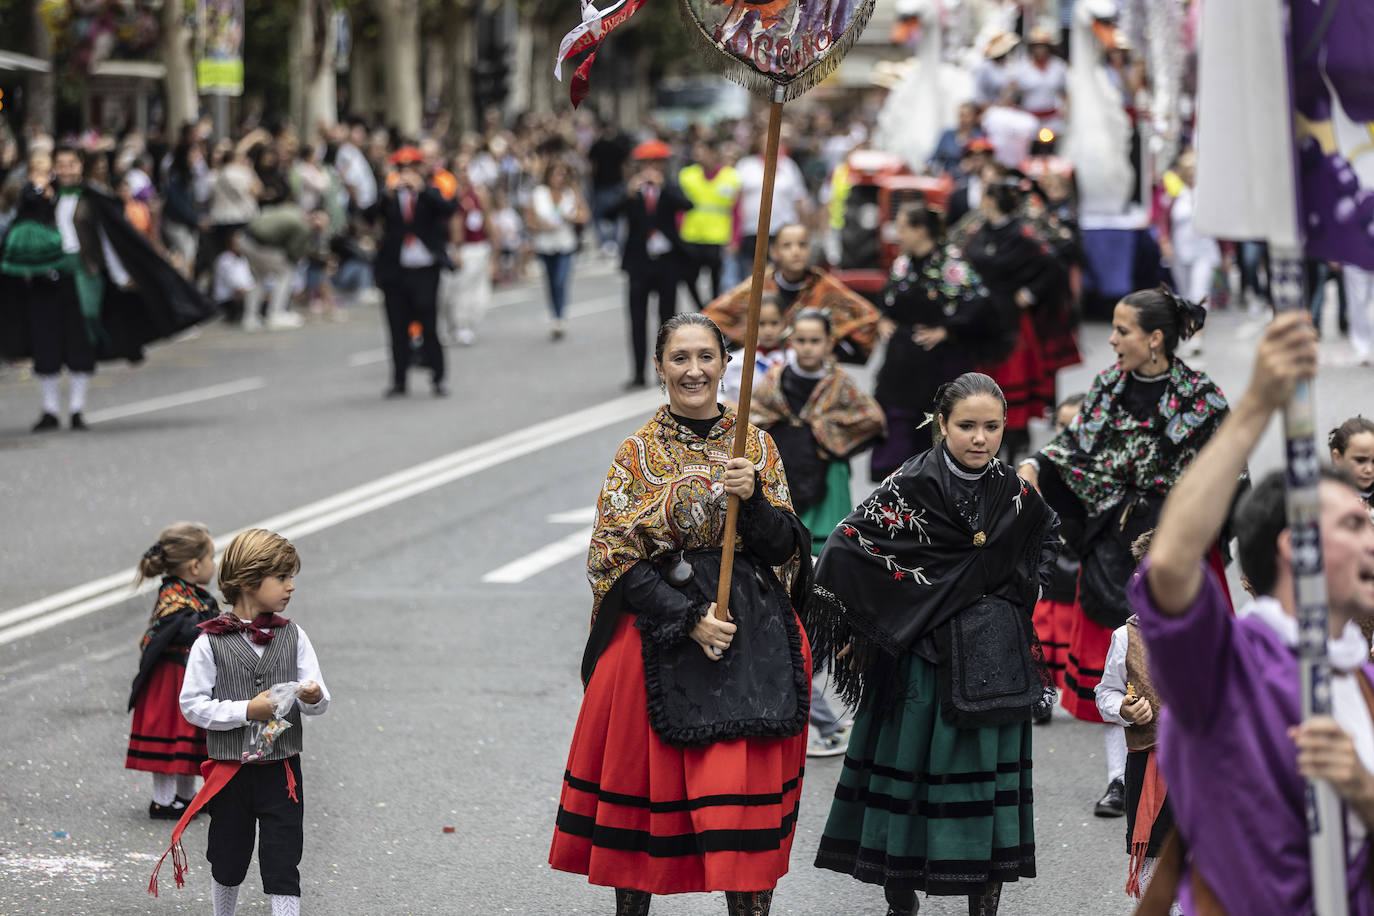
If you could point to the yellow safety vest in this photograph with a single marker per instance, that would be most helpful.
(710, 220)
(840, 186)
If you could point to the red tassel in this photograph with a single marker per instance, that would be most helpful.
(1137, 862)
(290, 782)
(217, 774)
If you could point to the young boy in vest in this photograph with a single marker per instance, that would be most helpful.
(228, 675)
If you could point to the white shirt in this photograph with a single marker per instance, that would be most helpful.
(789, 192)
(1111, 691)
(734, 370)
(356, 175)
(65, 214)
(1347, 652)
(1011, 132)
(1041, 90)
(233, 276)
(562, 238)
(198, 706)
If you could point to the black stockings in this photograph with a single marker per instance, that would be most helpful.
(985, 904)
(631, 902)
(738, 903)
(748, 903)
(901, 901)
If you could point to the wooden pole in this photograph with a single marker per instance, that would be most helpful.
(751, 339)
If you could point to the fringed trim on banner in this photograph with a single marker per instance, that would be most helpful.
(763, 84)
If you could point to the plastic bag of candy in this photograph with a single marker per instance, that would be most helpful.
(260, 736)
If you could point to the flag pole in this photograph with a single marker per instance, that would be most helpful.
(1325, 828)
(751, 338)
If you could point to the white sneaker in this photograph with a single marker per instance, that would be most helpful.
(286, 321)
(828, 745)
(251, 323)
(466, 337)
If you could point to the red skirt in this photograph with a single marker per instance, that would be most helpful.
(160, 739)
(1083, 666)
(1022, 378)
(1053, 622)
(638, 813)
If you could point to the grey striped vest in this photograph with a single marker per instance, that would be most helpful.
(241, 675)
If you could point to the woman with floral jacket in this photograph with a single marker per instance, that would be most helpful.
(939, 323)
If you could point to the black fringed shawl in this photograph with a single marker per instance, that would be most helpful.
(906, 562)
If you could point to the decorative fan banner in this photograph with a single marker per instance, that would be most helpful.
(767, 44)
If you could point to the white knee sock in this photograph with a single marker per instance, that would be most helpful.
(1115, 739)
(226, 899)
(186, 785)
(47, 384)
(282, 905)
(76, 394)
(164, 788)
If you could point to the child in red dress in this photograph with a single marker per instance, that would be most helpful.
(161, 741)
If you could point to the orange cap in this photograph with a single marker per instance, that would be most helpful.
(651, 150)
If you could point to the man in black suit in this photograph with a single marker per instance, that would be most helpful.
(413, 250)
(965, 197)
(654, 252)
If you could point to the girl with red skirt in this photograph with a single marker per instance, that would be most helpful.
(686, 762)
(161, 741)
(1144, 420)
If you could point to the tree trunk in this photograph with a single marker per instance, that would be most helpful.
(544, 46)
(400, 22)
(522, 83)
(42, 86)
(322, 98)
(362, 80)
(457, 94)
(175, 46)
(302, 47)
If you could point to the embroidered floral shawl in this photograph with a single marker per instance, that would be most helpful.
(842, 417)
(1106, 450)
(906, 561)
(853, 319)
(944, 276)
(665, 492)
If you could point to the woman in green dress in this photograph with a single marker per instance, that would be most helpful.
(923, 604)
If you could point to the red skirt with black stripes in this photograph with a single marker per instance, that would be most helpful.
(160, 739)
(638, 813)
(1026, 380)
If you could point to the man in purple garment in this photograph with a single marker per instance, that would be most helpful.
(1232, 749)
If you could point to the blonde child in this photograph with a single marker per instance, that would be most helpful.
(229, 675)
(161, 741)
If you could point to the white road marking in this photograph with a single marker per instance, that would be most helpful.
(583, 516)
(368, 357)
(531, 564)
(194, 396)
(74, 603)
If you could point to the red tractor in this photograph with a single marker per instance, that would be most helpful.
(879, 185)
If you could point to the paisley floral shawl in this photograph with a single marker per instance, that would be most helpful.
(1106, 450)
(842, 417)
(665, 492)
(175, 595)
(852, 317)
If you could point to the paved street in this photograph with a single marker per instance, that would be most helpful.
(444, 589)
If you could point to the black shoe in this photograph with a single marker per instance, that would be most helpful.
(1112, 804)
(392, 393)
(77, 422)
(172, 812)
(46, 422)
(439, 390)
(186, 803)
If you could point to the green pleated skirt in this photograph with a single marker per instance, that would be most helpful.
(926, 806)
(822, 518)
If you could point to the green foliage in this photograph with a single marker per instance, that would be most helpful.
(267, 54)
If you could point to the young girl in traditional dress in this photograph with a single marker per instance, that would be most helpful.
(819, 418)
(686, 763)
(1144, 420)
(161, 741)
(922, 606)
(769, 353)
(1352, 448)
